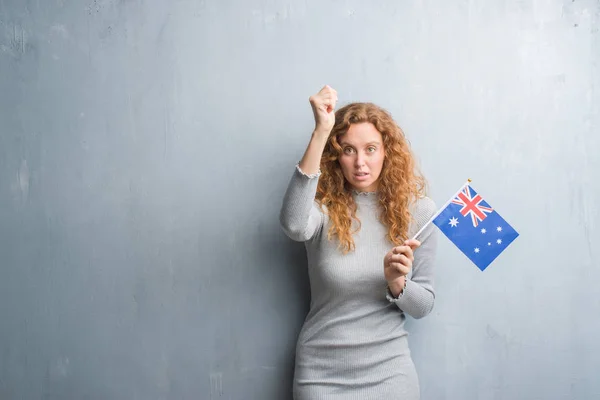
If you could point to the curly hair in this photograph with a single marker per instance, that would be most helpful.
(399, 182)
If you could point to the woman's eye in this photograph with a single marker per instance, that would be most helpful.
(371, 149)
(348, 150)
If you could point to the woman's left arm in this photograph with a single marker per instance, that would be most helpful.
(418, 296)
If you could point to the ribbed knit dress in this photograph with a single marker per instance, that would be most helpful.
(353, 345)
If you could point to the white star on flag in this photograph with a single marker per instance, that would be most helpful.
(499, 229)
(476, 249)
(483, 230)
(499, 241)
(453, 221)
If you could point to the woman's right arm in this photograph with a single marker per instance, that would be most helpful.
(300, 218)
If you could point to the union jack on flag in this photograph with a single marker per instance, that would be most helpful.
(471, 205)
(475, 227)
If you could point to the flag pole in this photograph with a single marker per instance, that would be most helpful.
(441, 209)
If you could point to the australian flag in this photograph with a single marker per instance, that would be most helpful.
(475, 227)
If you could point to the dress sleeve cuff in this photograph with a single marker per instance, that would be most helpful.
(309, 176)
(390, 297)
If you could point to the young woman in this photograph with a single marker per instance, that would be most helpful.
(355, 199)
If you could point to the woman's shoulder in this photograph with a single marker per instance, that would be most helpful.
(424, 204)
(422, 209)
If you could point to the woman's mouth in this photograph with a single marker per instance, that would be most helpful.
(361, 176)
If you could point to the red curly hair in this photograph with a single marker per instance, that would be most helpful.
(399, 183)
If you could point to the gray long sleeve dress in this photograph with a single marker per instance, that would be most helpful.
(353, 344)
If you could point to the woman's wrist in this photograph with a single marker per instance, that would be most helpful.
(321, 134)
(397, 286)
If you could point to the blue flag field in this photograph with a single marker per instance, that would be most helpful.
(475, 227)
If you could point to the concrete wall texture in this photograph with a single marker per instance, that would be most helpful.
(145, 148)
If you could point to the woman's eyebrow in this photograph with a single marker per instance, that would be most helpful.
(343, 143)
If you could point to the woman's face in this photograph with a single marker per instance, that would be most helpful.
(362, 156)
